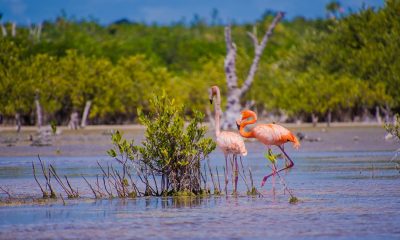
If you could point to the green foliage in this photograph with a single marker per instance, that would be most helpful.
(394, 128)
(170, 149)
(309, 66)
(293, 200)
(272, 157)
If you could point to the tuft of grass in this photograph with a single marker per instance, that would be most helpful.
(293, 200)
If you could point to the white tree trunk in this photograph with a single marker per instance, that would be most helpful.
(39, 116)
(85, 113)
(314, 119)
(73, 121)
(378, 115)
(13, 29)
(18, 121)
(3, 30)
(235, 93)
(329, 118)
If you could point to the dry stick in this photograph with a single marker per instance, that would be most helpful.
(98, 187)
(219, 184)
(244, 175)
(252, 183)
(226, 185)
(133, 183)
(115, 183)
(90, 186)
(62, 199)
(212, 176)
(283, 183)
(45, 194)
(106, 175)
(75, 193)
(6, 192)
(47, 177)
(121, 183)
(105, 187)
(53, 171)
(155, 182)
(205, 178)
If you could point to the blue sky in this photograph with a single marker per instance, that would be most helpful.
(165, 11)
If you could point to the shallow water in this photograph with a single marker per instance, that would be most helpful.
(346, 194)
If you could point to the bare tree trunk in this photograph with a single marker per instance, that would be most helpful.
(314, 119)
(3, 30)
(18, 121)
(234, 92)
(73, 121)
(35, 31)
(329, 118)
(39, 116)
(13, 29)
(378, 115)
(386, 111)
(85, 113)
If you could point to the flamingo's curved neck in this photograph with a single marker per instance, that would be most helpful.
(217, 109)
(242, 131)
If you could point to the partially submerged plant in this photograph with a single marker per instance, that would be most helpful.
(394, 130)
(273, 159)
(169, 160)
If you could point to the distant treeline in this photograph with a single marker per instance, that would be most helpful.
(345, 67)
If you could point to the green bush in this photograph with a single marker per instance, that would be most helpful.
(169, 158)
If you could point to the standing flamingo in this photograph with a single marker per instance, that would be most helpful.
(269, 134)
(229, 142)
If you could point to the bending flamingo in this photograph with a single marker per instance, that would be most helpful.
(229, 142)
(269, 134)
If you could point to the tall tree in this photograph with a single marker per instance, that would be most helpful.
(235, 93)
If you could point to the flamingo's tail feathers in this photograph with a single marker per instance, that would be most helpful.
(244, 152)
(296, 143)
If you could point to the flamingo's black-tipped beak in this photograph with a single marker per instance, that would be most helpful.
(238, 126)
(211, 101)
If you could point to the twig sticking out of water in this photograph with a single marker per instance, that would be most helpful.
(96, 192)
(243, 175)
(62, 199)
(293, 199)
(71, 193)
(44, 193)
(216, 189)
(226, 184)
(47, 176)
(219, 183)
(6, 192)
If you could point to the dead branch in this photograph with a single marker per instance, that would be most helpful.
(6, 192)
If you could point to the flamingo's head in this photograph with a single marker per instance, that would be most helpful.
(248, 114)
(212, 92)
(238, 122)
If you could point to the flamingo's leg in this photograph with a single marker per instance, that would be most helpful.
(236, 172)
(273, 178)
(291, 164)
(226, 174)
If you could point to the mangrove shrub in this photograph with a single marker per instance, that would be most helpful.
(169, 159)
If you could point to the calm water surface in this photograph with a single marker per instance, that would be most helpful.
(347, 186)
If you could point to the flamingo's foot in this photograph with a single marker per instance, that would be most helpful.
(273, 173)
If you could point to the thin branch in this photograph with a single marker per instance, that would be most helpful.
(6, 191)
(259, 50)
(45, 194)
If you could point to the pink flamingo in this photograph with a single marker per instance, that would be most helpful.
(229, 142)
(269, 134)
